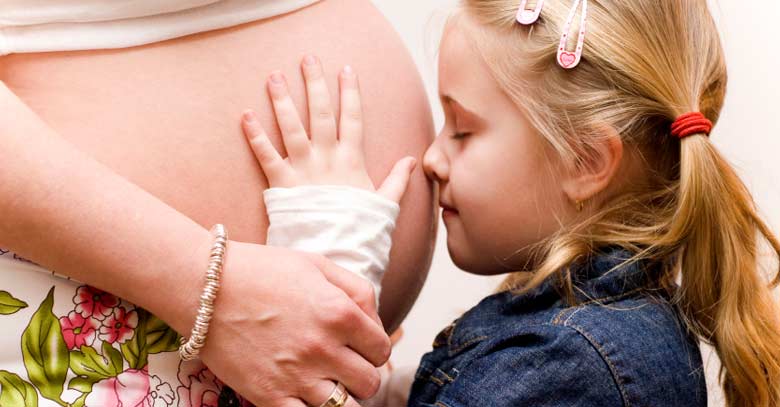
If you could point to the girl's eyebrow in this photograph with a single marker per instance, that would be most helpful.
(446, 99)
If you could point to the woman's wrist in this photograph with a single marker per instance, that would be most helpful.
(190, 347)
(179, 307)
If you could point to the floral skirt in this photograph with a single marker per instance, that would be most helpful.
(65, 343)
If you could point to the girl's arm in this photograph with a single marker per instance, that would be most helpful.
(321, 199)
(67, 212)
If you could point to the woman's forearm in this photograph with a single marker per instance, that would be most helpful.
(73, 215)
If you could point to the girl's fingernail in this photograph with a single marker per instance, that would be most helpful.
(248, 116)
(309, 60)
(348, 70)
(277, 78)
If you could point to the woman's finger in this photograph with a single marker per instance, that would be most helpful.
(351, 403)
(319, 393)
(322, 122)
(294, 135)
(361, 378)
(357, 288)
(368, 339)
(351, 117)
(394, 186)
(270, 160)
(288, 403)
(363, 331)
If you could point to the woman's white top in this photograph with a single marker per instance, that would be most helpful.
(70, 25)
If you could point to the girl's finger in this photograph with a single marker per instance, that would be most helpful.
(397, 335)
(322, 122)
(395, 184)
(270, 160)
(351, 118)
(294, 135)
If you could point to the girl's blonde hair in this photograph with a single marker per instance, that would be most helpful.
(646, 62)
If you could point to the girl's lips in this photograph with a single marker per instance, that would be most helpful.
(448, 210)
(445, 213)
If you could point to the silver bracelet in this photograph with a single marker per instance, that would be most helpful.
(190, 348)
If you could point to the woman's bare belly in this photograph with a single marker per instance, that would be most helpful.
(166, 116)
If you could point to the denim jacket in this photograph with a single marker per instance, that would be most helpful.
(625, 345)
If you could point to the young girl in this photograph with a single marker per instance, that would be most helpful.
(575, 157)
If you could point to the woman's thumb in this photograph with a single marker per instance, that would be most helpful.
(395, 184)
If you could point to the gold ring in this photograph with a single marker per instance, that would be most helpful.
(338, 397)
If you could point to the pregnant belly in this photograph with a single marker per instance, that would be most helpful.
(166, 115)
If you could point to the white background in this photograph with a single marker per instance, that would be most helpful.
(748, 133)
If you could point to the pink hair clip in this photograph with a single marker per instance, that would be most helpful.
(528, 17)
(566, 59)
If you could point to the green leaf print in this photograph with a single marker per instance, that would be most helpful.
(87, 362)
(45, 352)
(79, 401)
(82, 384)
(9, 304)
(91, 367)
(135, 350)
(160, 337)
(152, 335)
(16, 392)
(114, 357)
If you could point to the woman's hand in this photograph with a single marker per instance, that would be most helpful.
(331, 157)
(282, 338)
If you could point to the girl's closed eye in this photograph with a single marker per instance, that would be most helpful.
(461, 135)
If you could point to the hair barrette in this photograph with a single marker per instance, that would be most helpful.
(528, 17)
(567, 59)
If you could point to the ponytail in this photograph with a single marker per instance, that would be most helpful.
(724, 296)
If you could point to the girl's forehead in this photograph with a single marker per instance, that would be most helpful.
(463, 74)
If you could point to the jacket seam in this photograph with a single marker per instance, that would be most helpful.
(466, 344)
(602, 354)
(601, 300)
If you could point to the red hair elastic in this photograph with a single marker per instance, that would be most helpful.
(690, 124)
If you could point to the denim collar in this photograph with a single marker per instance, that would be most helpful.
(601, 278)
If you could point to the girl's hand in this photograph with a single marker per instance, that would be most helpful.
(332, 156)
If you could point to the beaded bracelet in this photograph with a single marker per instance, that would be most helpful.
(189, 349)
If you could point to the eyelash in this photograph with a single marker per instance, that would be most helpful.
(458, 136)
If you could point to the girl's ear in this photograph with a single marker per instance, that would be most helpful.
(596, 166)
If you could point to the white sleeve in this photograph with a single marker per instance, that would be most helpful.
(351, 226)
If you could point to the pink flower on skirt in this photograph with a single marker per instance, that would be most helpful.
(77, 330)
(91, 302)
(200, 387)
(132, 388)
(119, 326)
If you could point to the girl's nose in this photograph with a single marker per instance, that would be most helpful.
(435, 162)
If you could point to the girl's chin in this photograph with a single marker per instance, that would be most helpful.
(464, 260)
(472, 261)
